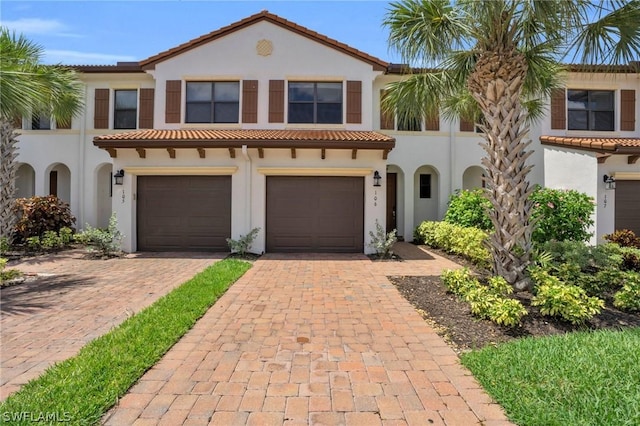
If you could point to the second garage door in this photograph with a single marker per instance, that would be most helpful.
(183, 213)
(315, 214)
(628, 205)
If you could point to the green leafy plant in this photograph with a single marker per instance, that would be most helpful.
(50, 241)
(4, 245)
(628, 298)
(66, 236)
(556, 298)
(469, 208)
(7, 274)
(243, 244)
(561, 215)
(382, 242)
(624, 238)
(106, 242)
(36, 215)
(486, 301)
(33, 243)
(466, 242)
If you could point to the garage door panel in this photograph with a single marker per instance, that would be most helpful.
(627, 215)
(315, 214)
(184, 213)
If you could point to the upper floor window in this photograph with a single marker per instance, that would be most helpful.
(319, 103)
(125, 109)
(590, 110)
(40, 121)
(409, 124)
(213, 102)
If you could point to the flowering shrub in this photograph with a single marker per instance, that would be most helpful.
(562, 215)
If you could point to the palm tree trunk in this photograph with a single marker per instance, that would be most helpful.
(497, 84)
(8, 168)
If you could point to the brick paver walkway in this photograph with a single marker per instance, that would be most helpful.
(50, 319)
(309, 340)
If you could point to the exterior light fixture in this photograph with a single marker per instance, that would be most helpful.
(376, 178)
(609, 182)
(118, 177)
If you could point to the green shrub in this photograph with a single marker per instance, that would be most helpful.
(50, 241)
(105, 241)
(556, 298)
(486, 301)
(4, 245)
(630, 259)
(66, 236)
(467, 242)
(33, 243)
(382, 242)
(7, 274)
(561, 215)
(624, 238)
(628, 298)
(243, 244)
(469, 209)
(36, 215)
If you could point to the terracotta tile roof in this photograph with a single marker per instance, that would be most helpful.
(378, 64)
(196, 138)
(611, 145)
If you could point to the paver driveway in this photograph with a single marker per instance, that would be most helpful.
(50, 319)
(309, 340)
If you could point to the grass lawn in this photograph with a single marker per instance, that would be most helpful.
(81, 389)
(587, 378)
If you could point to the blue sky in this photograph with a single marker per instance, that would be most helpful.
(104, 32)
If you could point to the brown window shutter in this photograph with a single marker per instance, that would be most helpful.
(354, 101)
(101, 113)
(467, 125)
(173, 99)
(17, 122)
(66, 124)
(250, 101)
(628, 110)
(276, 101)
(558, 109)
(145, 112)
(433, 123)
(386, 118)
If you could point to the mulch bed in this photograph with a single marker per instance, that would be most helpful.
(452, 318)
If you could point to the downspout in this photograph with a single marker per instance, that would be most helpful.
(452, 156)
(82, 157)
(247, 176)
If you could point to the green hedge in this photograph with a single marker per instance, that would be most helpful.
(466, 242)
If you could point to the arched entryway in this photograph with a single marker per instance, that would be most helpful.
(104, 193)
(25, 181)
(473, 178)
(58, 182)
(426, 185)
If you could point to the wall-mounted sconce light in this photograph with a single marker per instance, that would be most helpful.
(118, 177)
(376, 178)
(609, 182)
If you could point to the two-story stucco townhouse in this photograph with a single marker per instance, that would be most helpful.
(268, 124)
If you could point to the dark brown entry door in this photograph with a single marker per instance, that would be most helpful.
(315, 214)
(628, 205)
(392, 179)
(183, 213)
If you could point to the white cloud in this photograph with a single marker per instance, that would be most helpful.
(31, 26)
(72, 57)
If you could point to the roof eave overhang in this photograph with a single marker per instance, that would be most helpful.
(609, 148)
(250, 143)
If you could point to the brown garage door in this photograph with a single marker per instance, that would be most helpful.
(628, 205)
(184, 213)
(315, 214)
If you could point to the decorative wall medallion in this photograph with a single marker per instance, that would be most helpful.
(264, 47)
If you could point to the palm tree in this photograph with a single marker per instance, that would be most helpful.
(496, 62)
(27, 87)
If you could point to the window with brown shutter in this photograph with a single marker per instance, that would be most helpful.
(250, 101)
(467, 125)
(354, 102)
(101, 112)
(433, 123)
(172, 101)
(276, 101)
(145, 114)
(558, 109)
(628, 110)
(386, 118)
